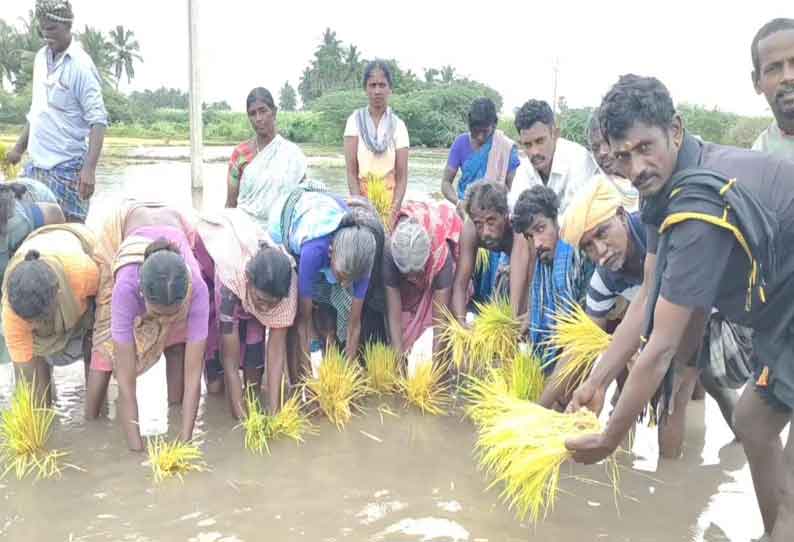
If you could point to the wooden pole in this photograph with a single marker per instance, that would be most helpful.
(196, 125)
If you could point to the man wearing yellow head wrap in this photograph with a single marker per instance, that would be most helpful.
(600, 222)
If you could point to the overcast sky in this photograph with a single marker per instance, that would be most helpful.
(699, 49)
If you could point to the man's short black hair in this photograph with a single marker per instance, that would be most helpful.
(635, 99)
(486, 196)
(482, 113)
(538, 200)
(534, 111)
(772, 27)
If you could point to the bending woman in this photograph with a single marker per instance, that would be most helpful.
(255, 288)
(25, 204)
(48, 307)
(267, 165)
(418, 270)
(152, 300)
(336, 244)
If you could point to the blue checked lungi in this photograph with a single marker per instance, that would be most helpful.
(64, 181)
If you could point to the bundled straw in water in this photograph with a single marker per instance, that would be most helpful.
(490, 395)
(378, 194)
(426, 390)
(260, 428)
(455, 339)
(523, 447)
(495, 333)
(10, 171)
(339, 387)
(173, 459)
(24, 430)
(580, 341)
(382, 369)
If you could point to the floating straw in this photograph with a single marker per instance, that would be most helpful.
(579, 342)
(24, 430)
(10, 171)
(523, 447)
(378, 194)
(173, 459)
(339, 387)
(260, 428)
(382, 370)
(426, 390)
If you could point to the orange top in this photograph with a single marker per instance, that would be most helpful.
(83, 276)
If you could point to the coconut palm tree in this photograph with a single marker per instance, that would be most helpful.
(9, 59)
(125, 52)
(96, 45)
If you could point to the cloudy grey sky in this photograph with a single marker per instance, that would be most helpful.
(700, 49)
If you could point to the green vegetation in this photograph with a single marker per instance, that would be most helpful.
(433, 106)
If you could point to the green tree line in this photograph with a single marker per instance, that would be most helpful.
(434, 105)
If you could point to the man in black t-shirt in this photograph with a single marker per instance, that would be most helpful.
(725, 242)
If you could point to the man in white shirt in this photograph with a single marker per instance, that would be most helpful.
(772, 51)
(562, 165)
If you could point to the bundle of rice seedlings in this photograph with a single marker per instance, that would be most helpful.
(426, 389)
(339, 387)
(495, 333)
(490, 395)
(382, 370)
(10, 171)
(260, 427)
(378, 194)
(580, 341)
(523, 448)
(24, 430)
(173, 459)
(455, 339)
(483, 260)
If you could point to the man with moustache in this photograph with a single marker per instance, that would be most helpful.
(551, 160)
(561, 272)
(67, 108)
(772, 51)
(488, 226)
(720, 226)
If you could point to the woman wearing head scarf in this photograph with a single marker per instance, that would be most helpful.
(376, 139)
(336, 244)
(418, 269)
(48, 294)
(152, 300)
(255, 288)
(266, 166)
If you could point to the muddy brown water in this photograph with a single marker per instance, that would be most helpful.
(383, 478)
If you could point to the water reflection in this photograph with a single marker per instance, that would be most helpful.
(418, 481)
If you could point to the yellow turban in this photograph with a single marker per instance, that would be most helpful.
(595, 203)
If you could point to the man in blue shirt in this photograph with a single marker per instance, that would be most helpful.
(67, 107)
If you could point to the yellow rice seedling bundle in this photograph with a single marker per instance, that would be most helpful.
(378, 194)
(24, 430)
(455, 339)
(382, 370)
(10, 171)
(483, 260)
(580, 341)
(426, 390)
(173, 459)
(339, 387)
(495, 333)
(493, 394)
(260, 428)
(523, 448)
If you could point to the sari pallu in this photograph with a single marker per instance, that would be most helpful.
(444, 226)
(69, 323)
(231, 239)
(113, 252)
(490, 162)
(274, 171)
